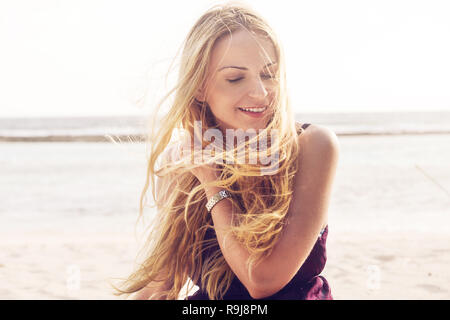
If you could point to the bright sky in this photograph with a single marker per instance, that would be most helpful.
(92, 57)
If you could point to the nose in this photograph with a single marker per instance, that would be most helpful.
(258, 90)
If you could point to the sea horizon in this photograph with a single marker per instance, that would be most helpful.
(126, 128)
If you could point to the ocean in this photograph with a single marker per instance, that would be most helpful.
(77, 204)
(95, 129)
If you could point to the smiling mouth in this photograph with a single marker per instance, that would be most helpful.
(254, 109)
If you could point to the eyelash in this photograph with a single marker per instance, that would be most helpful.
(238, 79)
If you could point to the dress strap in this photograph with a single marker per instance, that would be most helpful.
(302, 127)
(305, 125)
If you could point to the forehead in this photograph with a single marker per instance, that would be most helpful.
(244, 49)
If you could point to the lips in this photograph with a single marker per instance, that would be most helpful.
(258, 109)
(255, 112)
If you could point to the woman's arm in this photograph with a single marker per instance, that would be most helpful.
(319, 152)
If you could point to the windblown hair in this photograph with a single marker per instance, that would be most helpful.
(173, 251)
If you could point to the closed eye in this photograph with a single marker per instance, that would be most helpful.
(267, 76)
(264, 76)
(235, 80)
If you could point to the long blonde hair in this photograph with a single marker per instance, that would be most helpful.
(260, 202)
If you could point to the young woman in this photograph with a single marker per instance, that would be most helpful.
(238, 229)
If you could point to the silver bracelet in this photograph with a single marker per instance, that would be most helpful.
(222, 194)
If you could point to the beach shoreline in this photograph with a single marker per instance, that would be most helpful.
(69, 212)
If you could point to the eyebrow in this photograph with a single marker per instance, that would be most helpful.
(244, 68)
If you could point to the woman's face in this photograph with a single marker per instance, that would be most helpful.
(241, 76)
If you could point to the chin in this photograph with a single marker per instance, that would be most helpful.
(255, 126)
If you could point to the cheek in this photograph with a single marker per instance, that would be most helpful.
(225, 98)
(228, 90)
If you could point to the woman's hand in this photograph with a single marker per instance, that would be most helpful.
(206, 173)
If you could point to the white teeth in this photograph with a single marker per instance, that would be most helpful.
(254, 109)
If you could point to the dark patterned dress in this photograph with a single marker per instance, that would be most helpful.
(307, 284)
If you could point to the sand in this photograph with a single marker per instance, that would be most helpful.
(68, 212)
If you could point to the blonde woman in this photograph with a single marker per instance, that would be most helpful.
(238, 229)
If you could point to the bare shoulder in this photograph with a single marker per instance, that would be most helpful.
(318, 159)
(318, 141)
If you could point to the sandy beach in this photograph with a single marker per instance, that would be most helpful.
(68, 213)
